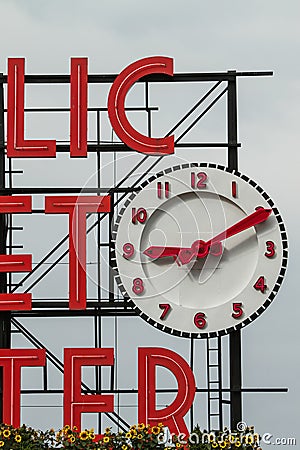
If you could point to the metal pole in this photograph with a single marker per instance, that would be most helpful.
(232, 122)
(235, 354)
(235, 345)
(4, 316)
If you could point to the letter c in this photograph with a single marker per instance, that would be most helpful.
(116, 106)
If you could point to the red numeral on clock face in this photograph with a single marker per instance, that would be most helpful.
(233, 189)
(260, 285)
(139, 215)
(199, 320)
(237, 310)
(166, 310)
(163, 191)
(270, 249)
(138, 286)
(128, 250)
(198, 180)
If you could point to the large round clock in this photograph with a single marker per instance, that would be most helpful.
(200, 250)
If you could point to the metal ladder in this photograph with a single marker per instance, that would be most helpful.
(214, 383)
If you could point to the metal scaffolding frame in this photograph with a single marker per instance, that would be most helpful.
(113, 305)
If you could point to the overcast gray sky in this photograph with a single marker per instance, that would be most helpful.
(200, 36)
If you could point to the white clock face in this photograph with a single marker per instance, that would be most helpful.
(189, 256)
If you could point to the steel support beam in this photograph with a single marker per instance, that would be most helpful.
(235, 353)
(4, 316)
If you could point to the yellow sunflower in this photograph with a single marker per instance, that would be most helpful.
(106, 439)
(72, 439)
(155, 430)
(1, 443)
(237, 443)
(83, 435)
(124, 447)
(141, 426)
(18, 438)
(128, 435)
(222, 444)
(92, 435)
(214, 445)
(6, 433)
(178, 445)
(249, 440)
(107, 430)
(140, 436)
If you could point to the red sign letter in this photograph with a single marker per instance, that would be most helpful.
(77, 208)
(78, 120)
(15, 263)
(17, 146)
(12, 361)
(116, 106)
(74, 402)
(172, 415)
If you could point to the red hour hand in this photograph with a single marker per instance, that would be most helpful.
(155, 252)
(182, 254)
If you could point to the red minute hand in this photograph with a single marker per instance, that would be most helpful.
(260, 215)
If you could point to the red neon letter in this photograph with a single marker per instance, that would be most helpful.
(15, 263)
(78, 120)
(116, 106)
(77, 208)
(17, 145)
(172, 415)
(12, 361)
(74, 402)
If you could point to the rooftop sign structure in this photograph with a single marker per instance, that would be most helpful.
(198, 250)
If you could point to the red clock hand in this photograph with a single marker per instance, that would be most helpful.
(260, 215)
(184, 254)
(155, 252)
(201, 248)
